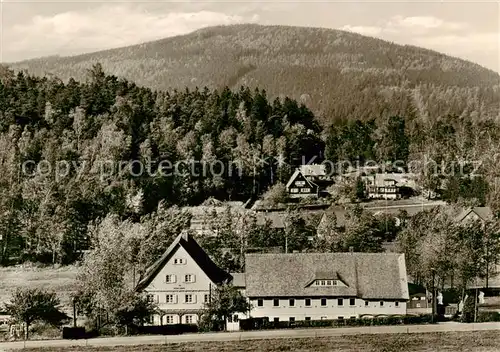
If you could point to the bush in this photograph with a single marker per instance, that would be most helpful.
(483, 317)
(174, 329)
(73, 333)
(43, 331)
(264, 323)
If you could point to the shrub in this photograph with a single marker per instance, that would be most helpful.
(483, 317)
(264, 323)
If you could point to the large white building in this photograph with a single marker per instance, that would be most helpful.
(181, 281)
(281, 287)
(315, 286)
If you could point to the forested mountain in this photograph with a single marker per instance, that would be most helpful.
(75, 151)
(337, 74)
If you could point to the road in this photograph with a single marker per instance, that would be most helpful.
(251, 335)
(402, 206)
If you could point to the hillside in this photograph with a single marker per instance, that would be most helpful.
(337, 74)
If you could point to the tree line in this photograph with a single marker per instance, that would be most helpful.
(96, 125)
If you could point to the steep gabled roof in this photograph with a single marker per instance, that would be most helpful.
(340, 215)
(484, 213)
(294, 177)
(367, 275)
(313, 170)
(214, 273)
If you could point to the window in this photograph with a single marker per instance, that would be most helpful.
(300, 183)
(305, 190)
(189, 319)
(340, 318)
(353, 318)
(170, 319)
(151, 319)
(236, 319)
(324, 318)
(340, 302)
(189, 298)
(418, 305)
(294, 190)
(230, 319)
(308, 318)
(292, 319)
(189, 278)
(292, 302)
(381, 303)
(276, 302)
(206, 298)
(325, 283)
(366, 303)
(260, 302)
(397, 304)
(352, 302)
(170, 279)
(323, 302)
(307, 302)
(151, 298)
(170, 298)
(276, 320)
(179, 261)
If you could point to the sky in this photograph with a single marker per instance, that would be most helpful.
(34, 28)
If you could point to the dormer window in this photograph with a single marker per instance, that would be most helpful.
(326, 283)
(326, 279)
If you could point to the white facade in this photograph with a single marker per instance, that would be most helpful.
(316, 308)
(180, 289)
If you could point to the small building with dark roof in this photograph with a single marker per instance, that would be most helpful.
(471, 214)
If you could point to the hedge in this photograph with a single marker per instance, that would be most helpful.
(171, 329)
(264, 323)
(483, 317)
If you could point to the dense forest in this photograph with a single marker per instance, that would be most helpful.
(76, 152)
(246, 105)
(336, 74)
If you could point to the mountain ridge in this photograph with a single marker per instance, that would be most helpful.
(318, 66)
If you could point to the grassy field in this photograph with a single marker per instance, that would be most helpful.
(61, 280)
(481, 341)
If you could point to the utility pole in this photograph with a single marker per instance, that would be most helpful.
(433, 295)
(74, 312)
(475, 304)
(285, 223)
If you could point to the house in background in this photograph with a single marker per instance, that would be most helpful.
(309, 180)
(469, 215)
(418, 302)
(315, 286)
(332, 222)
(299, 186)
(202, 216)
(380, 186)
(181, 282)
